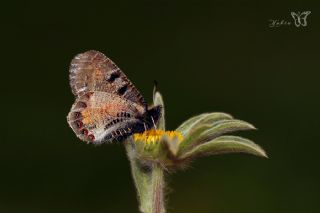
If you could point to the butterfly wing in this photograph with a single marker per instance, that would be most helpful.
(296, 18)
(93, 71)
(303, 18)
(108, 107)
(101, 117)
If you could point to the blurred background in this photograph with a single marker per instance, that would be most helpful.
(207, 56)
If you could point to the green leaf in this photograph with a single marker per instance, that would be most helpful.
(158, 100)
(206, 118)
(224, 126)
(225, 144)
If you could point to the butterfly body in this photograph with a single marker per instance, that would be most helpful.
(108, 107)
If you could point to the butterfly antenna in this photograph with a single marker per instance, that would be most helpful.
(155, 82)
(154, 124)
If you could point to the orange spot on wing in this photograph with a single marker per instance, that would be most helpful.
(113, 108)
(87, 115)
(97, 115)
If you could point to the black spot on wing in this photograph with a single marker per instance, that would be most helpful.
(122, 89)
(113, 77)
(113, 122)
(124, 114)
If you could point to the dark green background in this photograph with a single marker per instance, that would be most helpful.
(206, 56)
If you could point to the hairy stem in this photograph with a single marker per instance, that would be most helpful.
(149, 181)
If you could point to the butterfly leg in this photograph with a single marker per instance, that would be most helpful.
(145, 127)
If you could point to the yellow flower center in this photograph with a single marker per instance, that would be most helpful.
(152, 135)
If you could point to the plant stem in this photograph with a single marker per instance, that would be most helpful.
(149, 181)
(157, 184)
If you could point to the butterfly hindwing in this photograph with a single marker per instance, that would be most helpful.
(100, 116)
(93, 71)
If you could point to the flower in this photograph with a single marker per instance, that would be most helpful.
(153, 136)
(156, 151)
(201, 135)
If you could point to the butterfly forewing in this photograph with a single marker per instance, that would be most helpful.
(93, 71)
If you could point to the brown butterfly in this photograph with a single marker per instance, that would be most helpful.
(108, 107)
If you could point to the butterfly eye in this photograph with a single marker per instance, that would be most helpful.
(79, 124)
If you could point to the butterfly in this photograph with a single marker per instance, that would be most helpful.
(300, 18)
(107, 107)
